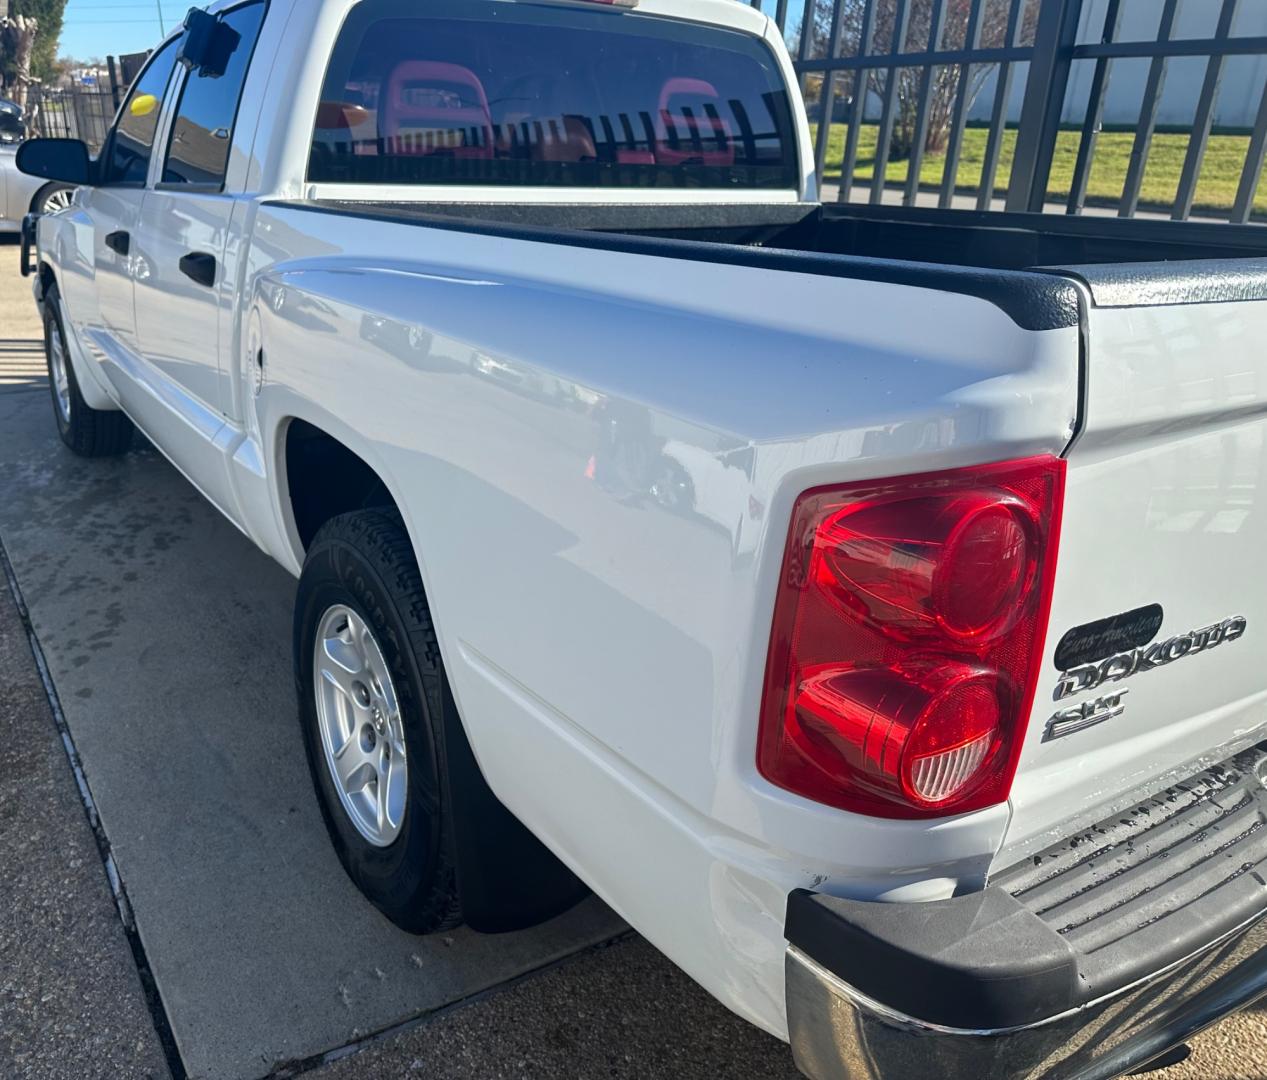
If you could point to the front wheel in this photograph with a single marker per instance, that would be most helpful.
(371, 691)
(87, 431)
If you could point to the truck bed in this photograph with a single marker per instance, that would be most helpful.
(1020, 262)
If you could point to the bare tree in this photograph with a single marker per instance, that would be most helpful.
(994, 33)
(17, 33)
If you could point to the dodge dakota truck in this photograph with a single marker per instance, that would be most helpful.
(866, 603)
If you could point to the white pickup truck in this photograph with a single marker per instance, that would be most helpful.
(872, 620)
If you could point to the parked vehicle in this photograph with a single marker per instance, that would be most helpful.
(869, 617)
(20, 194)
(12, 126)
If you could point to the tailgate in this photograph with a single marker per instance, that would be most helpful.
(1155, 663)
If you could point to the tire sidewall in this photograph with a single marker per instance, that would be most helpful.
(53, 321)
(337, 573)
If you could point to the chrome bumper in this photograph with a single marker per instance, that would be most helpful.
(1089, 960)
(837, 1032)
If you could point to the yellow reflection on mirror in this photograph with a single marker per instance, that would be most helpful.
(143, 104)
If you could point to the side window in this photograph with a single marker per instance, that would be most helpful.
(128, 153)
(202, 132)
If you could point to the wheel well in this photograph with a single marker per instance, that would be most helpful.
(47, 278)
(326, 479)
(41, 194)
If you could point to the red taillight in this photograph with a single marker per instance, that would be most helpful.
(908, 631)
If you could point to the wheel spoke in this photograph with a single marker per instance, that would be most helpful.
(342, 680)
(350, 760)
(386, 691)
(353, 632)
(344, 650)
(391, 790)
(59, 372)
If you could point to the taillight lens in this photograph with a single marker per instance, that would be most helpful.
(908, 631)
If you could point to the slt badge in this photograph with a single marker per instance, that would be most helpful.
(1088, 714)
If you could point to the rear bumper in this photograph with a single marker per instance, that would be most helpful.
(836, 1031)
(1087, 961)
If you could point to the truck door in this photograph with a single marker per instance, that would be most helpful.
(177, 395)
(185, 219)
(97, 283)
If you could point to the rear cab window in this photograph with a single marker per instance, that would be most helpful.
(536, 95)
(202, 132)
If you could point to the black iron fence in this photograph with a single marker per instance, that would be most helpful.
(79, 112)
(896, 89)
(987, 103)
(82, 111)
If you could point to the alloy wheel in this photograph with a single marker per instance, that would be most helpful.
(361, 729)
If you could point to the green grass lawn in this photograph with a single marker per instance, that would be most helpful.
(1216, 186)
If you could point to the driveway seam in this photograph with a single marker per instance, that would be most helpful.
(287, 1070)
(149, 988)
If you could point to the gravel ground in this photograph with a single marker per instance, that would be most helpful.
(71, 1003)
(618, 1012)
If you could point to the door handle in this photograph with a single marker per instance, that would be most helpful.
(119, 242)
(199, 266)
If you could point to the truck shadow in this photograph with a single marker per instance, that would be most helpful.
(22, 365)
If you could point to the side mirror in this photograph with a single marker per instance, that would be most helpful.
(66, 160)
(207, 45)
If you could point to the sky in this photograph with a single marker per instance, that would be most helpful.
(111, 27)
(101, 28)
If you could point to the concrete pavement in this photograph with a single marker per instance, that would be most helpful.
(71, 1001)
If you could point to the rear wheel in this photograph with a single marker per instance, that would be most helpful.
(87, 431)
(372, 697)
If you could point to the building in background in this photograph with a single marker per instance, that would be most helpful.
(1239, 92)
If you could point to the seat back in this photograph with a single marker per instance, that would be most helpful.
(694, 131)
(436, 108)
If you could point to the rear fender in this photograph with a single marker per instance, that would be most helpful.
(493, 846)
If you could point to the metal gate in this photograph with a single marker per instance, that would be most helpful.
(911, 77)
(78, 112)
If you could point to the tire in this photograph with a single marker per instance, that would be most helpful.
(87, 431)
(363, 564)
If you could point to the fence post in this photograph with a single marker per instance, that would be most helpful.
(827, 95)
(1054, 38)
(114, 81)
(77, 111)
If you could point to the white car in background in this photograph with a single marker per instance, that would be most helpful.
(20, 194)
